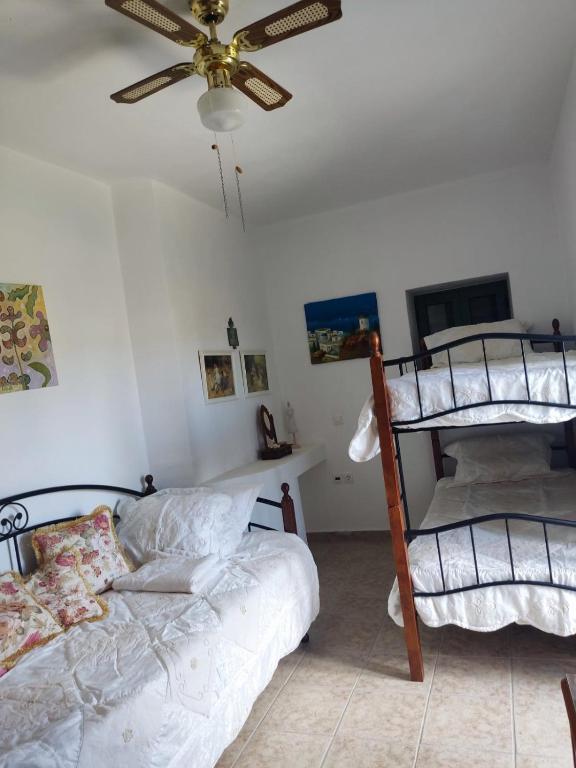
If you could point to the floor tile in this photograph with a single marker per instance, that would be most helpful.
(531, 642)
(322, 670)
(464, 642)
(540, 678)
(354, 752)
(440, 757)
(283, 750)
(472, 674)
(395, 719)
(307, 708)
(476, 719)
(390, 675)
(541, 726)
(391, 640)
(231, 754)
(543, 761)
(286, 667)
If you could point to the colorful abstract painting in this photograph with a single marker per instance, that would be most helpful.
(26, 359)
(339, 329)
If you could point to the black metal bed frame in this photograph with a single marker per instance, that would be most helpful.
(15, 526)
(419, 362)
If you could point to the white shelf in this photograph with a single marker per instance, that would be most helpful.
(275, 472)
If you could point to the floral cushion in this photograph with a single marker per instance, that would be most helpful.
(24, 623)
(101, 556)
(60, 587)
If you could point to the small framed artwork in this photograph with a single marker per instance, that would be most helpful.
(255, 373)
(218, 376)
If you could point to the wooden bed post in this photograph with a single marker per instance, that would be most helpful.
(437, 453)
(395, 512)
(556, 332)
(288, 513)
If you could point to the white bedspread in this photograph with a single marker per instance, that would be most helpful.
(507, 382)
(549, 609)
(166, 680)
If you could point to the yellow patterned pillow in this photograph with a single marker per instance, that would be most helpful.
(24, 623)
(60, 587)
(102, 558)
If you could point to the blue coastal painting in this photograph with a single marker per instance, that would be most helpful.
(339, 329)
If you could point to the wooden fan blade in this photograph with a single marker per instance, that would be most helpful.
(260, 88)
(291, 21)
(153, 84)
(161, 19)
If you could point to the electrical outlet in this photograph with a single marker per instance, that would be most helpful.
(346, 479)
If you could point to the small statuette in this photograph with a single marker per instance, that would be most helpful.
(290, 424)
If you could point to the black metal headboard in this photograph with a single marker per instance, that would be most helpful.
(11, 528)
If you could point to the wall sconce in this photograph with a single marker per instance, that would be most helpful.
(232, 334)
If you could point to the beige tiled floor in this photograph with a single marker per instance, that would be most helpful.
(345, 699)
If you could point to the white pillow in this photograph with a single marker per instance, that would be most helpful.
(243, 501)
(496, 349)
(498, 458)
(175, 573)
(191, 521)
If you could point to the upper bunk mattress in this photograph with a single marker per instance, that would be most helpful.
(546, 381)
(490, 608)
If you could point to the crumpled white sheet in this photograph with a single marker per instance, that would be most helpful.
(551, 610)
(166, 680)
(507, 382)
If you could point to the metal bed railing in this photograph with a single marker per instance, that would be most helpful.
(418, 362)
(536, 520)
(15, 517)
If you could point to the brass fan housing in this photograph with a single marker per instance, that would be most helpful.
(209, 11)
(217, 62)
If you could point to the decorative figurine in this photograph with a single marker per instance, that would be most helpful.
(272, 448)
(232, 334)
(290, 424)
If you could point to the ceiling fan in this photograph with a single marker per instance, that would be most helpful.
(220, 107)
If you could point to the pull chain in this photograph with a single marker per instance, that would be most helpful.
(216, 148)
(237, 172)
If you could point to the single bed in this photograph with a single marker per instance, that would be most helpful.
(553, 610)
(165, 679)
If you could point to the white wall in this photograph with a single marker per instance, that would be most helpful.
(56, 230)
(186, 271)
(490, 224)
(563, 166)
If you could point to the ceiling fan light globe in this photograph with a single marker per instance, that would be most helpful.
(220, 110)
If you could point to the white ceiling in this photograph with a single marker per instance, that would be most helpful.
(397, 95)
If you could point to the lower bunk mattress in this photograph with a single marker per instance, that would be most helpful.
(166, 680)
(490, 608)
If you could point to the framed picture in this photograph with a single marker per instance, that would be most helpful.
(339, 329)
(26, 357)
(255, 373)
(218, 376)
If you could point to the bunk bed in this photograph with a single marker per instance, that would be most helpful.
(512, 541)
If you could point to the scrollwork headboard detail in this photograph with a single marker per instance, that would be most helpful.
(15, 524)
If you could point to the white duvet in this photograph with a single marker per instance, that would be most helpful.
(548, 609)
(546, 380)
(166, 680)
